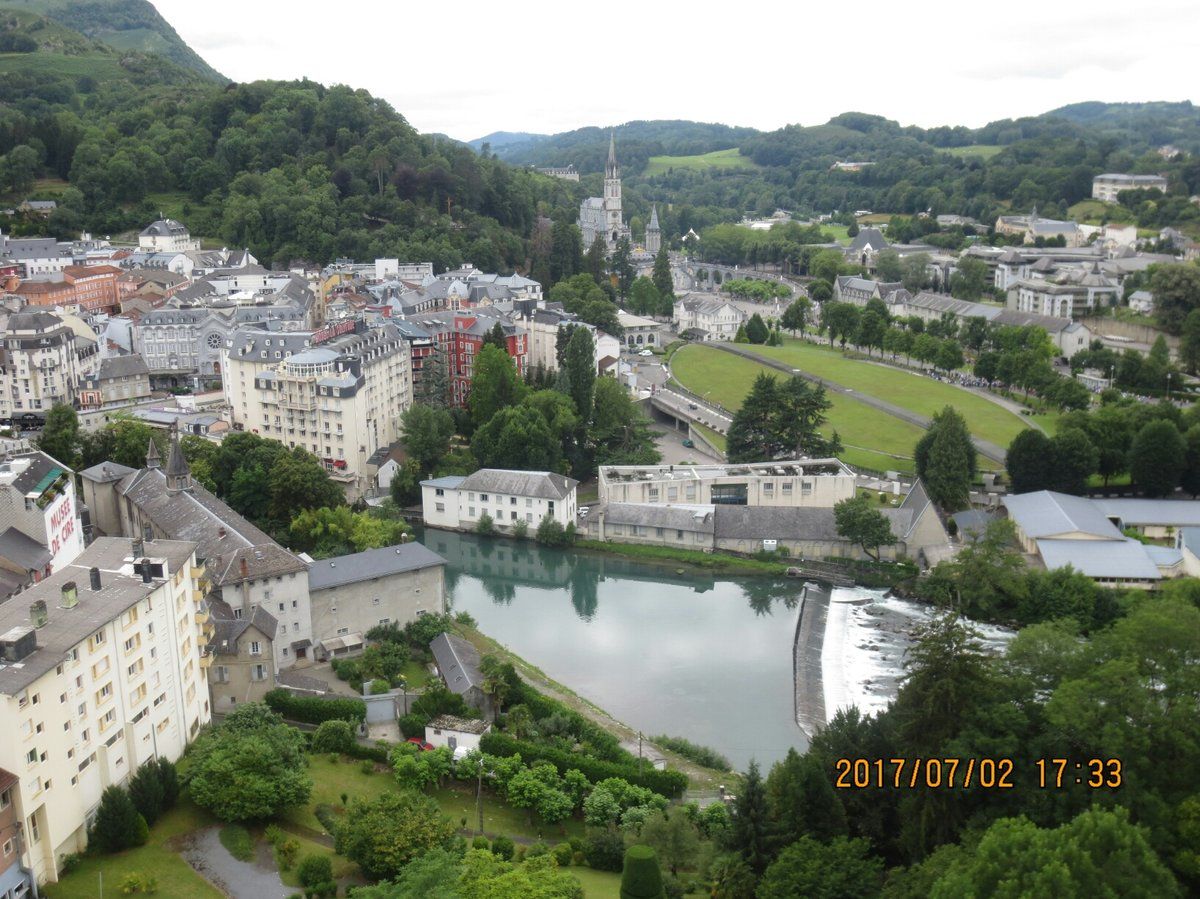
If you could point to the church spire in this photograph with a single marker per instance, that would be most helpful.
(654, 217)
(153, 459)
(611, 171)
(179, 476)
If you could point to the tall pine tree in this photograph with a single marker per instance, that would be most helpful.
(662, 277)
(750, 833)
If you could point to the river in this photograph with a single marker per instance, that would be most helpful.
(708, 658)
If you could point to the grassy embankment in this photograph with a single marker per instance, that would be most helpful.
(872, 439)
(975, 151)
(717, 159)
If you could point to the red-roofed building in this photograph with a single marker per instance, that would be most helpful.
(90, 288)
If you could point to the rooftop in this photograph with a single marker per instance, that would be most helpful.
(120, 589)
(542, 484)
(372, 564)
(461, 725)
(457, 660)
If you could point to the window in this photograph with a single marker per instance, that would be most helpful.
(8, 848)
(768, 488)
(512, 500)
(260, 672)
(35, 833)
(441, 507)
(483, 497)
(104, 693)
(5, 799)
(375, 601)
(471, 512)
(385, 621)
(31, 756)
(343, 630)
(513, 516)
(439, 492)
(255, 648)
(679, 535)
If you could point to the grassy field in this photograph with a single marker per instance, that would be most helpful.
(873, 439)
(875, 218)
(840, 232)
(598, 884)
(101, 68)
(914, 392)
(1092, 212)
(977, 151)
(156, 859)
(715, 438)
(717, 159)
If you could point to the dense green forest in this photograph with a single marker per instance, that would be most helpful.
(292, 170)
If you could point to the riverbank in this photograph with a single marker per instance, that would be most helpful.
(714, 561)
(701, 780)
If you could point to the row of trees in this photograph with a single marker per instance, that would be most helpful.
(1157, 446)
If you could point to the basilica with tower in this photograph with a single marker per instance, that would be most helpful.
(603, 217)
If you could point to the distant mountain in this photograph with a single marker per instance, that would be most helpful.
(506, 142)
(1154, 123)
(123, 25)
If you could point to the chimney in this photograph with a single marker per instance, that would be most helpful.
(94, 574)
(145, 571)
(37, 613)
(70, 595)
(245, 568)
(139, 547)
(221, 532)
(147, 533)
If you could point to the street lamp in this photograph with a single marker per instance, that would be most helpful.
(1168, 387)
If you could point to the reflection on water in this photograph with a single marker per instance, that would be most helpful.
(691, 656)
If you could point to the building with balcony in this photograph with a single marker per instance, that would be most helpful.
(46, 356)
(120, 381)
(100, 672)
(337, 393)
(459, 336)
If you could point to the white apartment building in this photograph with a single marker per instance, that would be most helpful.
(813, 483)
(1106, 187)
(167, 236)
(507, 496)
(718, 318)
(101, 669)
(45, 358)
(542, 327)
(338, 392)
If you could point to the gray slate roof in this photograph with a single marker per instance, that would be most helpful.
(694, 518)
(539, 484)
(457, 661)
(122, 367)
(23, 550)
(372, 564)
(1046, 513)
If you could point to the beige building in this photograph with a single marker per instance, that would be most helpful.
(46, 357)
(102, 669)
(816, 483)
(1106, 187)
(338, 392)
(352, 594)
(120, 381)
(243, 667)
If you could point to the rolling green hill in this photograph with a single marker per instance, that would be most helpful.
(717, 159)
(123, 25)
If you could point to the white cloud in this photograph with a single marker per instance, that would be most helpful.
(473, 67)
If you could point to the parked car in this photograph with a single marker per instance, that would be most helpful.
(687, 441)
(693, 407)
(583, 512)
(646, 353)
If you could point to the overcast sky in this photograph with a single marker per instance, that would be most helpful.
(467, 68)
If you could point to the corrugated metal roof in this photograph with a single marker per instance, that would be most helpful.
(1123, 559)
(1049, 514)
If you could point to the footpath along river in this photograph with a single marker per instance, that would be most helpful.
(715, 659)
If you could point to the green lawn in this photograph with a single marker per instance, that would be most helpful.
(1094, 211)
(916, 393)
(840, 233)
(873, 439)
(156, 859)
(102, 68)
(598, 884)
(717, 159)
(978, 151)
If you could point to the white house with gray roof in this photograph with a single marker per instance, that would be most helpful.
(506, 495)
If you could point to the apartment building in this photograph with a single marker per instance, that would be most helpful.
(819, 483)
(45, 358)
(337, 392)
(459, 336)
(101, 670)
(1106, 187)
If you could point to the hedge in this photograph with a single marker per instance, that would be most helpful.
(372, 753)
(314, 709)
(665, 783)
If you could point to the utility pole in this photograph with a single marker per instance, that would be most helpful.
(639, 752)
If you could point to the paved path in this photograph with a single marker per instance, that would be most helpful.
(985, 447)
(236, 879)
